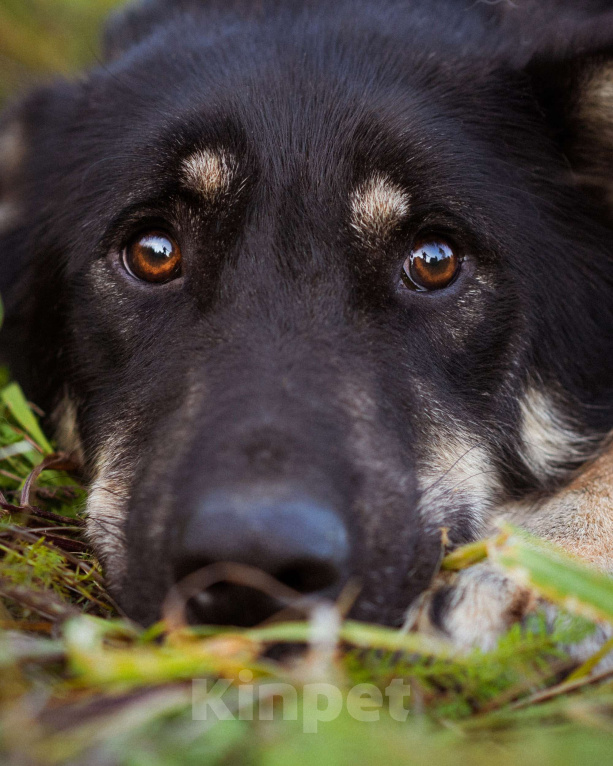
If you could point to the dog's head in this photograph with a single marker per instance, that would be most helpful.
(307, 283)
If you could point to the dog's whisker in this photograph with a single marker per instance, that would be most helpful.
(446, 473)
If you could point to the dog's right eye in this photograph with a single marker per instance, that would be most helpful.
(153, 257)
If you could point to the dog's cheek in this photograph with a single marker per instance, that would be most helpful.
(458, 486)
(107, 509)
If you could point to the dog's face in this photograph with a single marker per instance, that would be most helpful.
(310, 294)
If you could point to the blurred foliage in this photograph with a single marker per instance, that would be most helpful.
(41, 38)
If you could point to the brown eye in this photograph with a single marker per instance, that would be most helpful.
(153, 257)
(432, 265)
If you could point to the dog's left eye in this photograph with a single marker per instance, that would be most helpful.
(153, 257)
(432, 265)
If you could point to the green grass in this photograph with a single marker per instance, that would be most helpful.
(81, 685)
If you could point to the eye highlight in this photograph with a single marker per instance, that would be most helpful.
(432, 265)
(153, 257)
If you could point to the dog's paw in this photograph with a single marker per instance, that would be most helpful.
(474, 608)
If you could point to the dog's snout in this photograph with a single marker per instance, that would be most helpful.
(300, 542)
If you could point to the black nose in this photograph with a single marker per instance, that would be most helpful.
(299, 541)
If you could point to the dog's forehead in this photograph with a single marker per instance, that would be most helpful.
(335, 140)
(376, 205)
(314, 109)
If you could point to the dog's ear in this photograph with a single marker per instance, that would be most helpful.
(28, 162)
(142, 18)
(129, 26)
(571, 71)
(25, 157)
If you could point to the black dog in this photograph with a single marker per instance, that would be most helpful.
(307, 282)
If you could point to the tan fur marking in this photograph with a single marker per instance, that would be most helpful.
(66, 428)
(455, 471)
(596, 107)
(580, 517)
(595, 146)
(209, 172)
(550, 440)
(106, 511)
(377, 207)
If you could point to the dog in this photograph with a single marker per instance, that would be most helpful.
(323, 289)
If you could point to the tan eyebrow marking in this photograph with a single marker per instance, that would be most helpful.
(209, 172)
(377, 207)
(596, 104)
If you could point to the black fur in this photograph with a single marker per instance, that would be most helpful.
(290, 352)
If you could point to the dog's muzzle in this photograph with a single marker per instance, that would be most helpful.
(298, 540)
